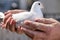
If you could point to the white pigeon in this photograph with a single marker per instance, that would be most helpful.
(35, 12)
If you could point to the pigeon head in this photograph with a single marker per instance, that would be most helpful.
(37, 6)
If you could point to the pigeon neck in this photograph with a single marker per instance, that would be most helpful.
(36, 10)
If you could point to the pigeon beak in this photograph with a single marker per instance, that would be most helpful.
(41, 6)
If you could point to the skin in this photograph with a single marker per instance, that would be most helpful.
(40, 29)
(8, 22)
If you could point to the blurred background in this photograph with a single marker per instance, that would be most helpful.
(51, 10)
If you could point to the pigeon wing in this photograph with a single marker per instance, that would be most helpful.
(22, 16)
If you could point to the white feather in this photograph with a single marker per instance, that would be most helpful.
(35, 12)
(22, 16)
(1, 15)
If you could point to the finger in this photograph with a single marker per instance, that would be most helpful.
(25, 26)
(28, 32)
(32, 34)
(12, 21)
(38, 26)
(14, 11)
(3, 26)
(19, 31)
(6, 13)
(9, 11)
(8, 22)
(6, 17)
(12, 25)
(45, 20)
(40, 36)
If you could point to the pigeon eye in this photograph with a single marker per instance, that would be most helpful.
(38, 3)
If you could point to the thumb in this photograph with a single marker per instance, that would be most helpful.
(28, 32)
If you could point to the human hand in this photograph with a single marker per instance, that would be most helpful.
(41, 29)
(9, 22)
(44, 29)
